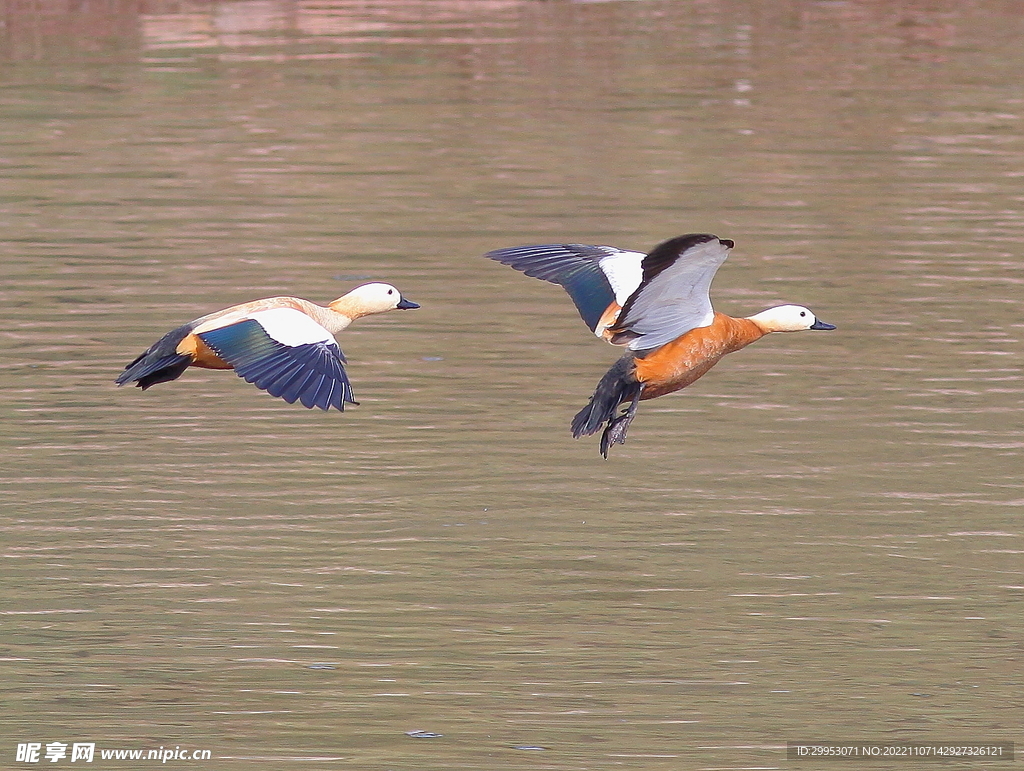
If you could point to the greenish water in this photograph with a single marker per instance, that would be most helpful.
(819, 540)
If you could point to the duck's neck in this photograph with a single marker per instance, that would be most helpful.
(336, 316)
(763, 321)
(743, 332)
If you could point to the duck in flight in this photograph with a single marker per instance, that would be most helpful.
(282, 345)
(658, 306)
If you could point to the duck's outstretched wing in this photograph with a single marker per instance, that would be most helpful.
(287, 354)
(673, 296)
(596, 277)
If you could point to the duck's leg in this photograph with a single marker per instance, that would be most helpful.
(615, 432)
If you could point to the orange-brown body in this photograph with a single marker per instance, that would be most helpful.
(677, 364)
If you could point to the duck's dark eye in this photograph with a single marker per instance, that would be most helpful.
(391, 291)
(803, 313)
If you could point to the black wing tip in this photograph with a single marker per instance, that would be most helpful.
(312, 403)
(310, 388)
(667, 252)
(532, 253)
(508, 254)
(673, 247)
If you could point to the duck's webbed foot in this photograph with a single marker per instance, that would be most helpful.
(615, 431)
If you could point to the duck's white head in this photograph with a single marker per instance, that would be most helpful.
(788, 318)
(371, 298)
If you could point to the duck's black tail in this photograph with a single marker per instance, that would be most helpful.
(619, 385)
(160, 363)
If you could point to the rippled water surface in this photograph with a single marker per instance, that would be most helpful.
(821, 539)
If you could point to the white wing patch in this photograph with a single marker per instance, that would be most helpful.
(291, 327)
(624, 271)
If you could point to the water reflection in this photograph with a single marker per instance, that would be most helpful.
(269, 23)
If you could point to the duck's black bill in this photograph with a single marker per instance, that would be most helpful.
(818, 324)
(406, 305)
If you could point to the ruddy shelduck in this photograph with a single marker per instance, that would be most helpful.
(283, 345)
(658, 306)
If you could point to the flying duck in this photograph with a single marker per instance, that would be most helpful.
(282, 345)
(658, 306)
